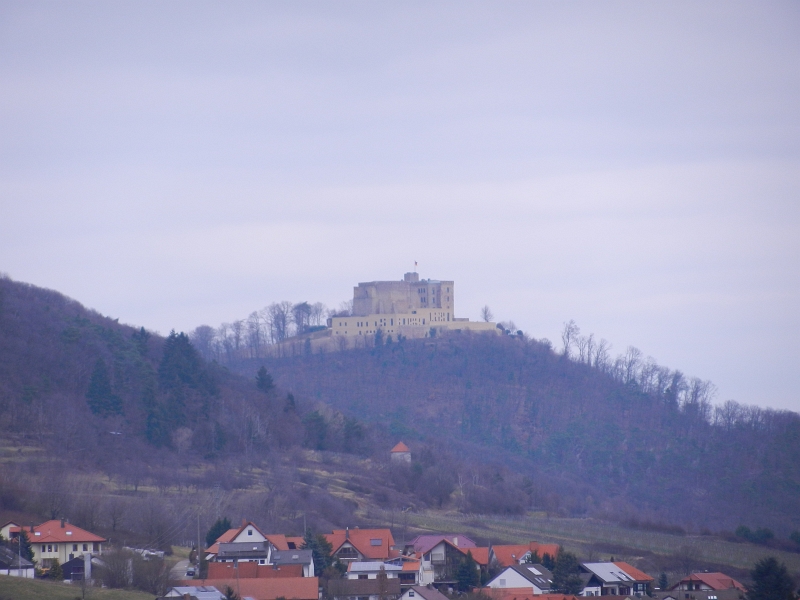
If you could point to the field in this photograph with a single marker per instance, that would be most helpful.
(587, 536)
(15, 588)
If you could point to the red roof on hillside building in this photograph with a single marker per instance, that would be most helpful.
(522, 594)
(400, 447)
(374, 544)
(60, 531)
(716, 581)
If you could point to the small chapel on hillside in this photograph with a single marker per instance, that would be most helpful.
(400, 453)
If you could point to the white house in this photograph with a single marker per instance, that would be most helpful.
(370, 570)
(533, 577)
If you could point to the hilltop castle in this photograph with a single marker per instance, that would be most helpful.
(412, 307)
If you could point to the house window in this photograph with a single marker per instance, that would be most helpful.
(85, 547)
(95, 547)
(55, 548)
(249, 532)
(261, 562)
(363, 576)
(43, 549)
(502, 583)
(411, 593)
(49, 548)
(74, 547)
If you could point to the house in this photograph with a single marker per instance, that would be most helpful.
(707, 582)
(259, 588)
(614, 579)
(301, 558)
(371, 570)
(729, 594)
(523, 594)
(400, 453)
(364, 589)
(13, 565)
(257, 552)
(232, 570)
(57, 540)
(361, 544)
(195, 592)
(411, 570)
(247, 532)
(441, 555)
(507, 555)
(285, 542)
(419, 592)
(536, 579)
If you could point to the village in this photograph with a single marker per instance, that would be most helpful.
(247, 563)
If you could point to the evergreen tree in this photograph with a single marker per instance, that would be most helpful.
(662, 581)
(316, 430)
(566, 573)
(55, 571)
(533, 558)
(321, 550)
(548, 562)
(264, 380)
(467, 575)
(771, 581)
(217, 529)
(100, 395)
(25, 550)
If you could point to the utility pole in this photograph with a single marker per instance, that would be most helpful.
(197, 554)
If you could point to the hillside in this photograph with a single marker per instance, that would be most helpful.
(587, 442)
(136, 436)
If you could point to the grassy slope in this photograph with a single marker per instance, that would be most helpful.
(583, 534)
(14, 588)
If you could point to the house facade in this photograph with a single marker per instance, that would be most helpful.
(614, 579)
(535, 578)
(56, 540)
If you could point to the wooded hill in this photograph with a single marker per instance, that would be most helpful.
(589, 439)
(496, 424)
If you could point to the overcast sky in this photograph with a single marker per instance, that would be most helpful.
(633, 166)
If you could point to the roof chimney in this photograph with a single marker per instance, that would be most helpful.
(62, 522)
(244, 522)
(347, 533)
(31, 527)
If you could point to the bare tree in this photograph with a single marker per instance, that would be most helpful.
(317, 315)
(203, 339)
(590, 347)
(581, 344)
(279, 320)
(486, 314)
(301, 313)
(255, 334)
(602, 355)
(630, 364)
(569, 335)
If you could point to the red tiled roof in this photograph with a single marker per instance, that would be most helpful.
(294, 588)
(361, 540)
(231, 534)
(297, 541)
(52, 531)
(278, 540)
(716, 581)
(244, 569)
(635, 573)
(481, 555)
(423, 544)
(410, 565)
(400, 447)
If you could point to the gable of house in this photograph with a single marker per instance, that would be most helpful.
(361, 544)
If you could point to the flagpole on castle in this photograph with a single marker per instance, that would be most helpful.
(415, 266)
